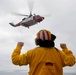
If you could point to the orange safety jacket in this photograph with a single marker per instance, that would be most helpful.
(44, 61)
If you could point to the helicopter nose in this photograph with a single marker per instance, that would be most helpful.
(42, 18)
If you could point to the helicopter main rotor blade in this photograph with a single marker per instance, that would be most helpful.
(46, 15)
(19, 14)
(30, 4)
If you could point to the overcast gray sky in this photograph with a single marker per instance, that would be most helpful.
(62, 23)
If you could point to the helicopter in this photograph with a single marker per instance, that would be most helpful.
(29, 20)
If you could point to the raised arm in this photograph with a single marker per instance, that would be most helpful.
(18, 59)
(68, 57)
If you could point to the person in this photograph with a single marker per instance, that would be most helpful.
(45, 59)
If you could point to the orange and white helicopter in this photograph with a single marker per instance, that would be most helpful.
(29, 20)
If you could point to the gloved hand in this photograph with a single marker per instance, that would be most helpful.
(63, 45)
(20, 44)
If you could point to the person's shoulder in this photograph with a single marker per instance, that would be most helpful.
(33, 49)
(58, 50)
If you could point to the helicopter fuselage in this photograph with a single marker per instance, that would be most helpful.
(29, 21)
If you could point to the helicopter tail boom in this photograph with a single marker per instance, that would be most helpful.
(13, 25)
